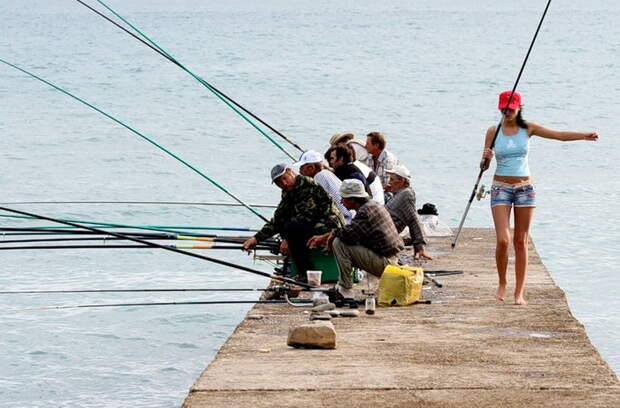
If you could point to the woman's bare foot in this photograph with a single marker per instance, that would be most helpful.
(499, 295)
(519, 300)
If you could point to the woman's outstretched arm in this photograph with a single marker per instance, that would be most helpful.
(564, 136)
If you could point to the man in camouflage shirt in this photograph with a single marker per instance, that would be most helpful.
(370, 242)
(305, 210)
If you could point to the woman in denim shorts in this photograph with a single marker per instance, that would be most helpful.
(512, 185)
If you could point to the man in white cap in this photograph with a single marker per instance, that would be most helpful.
(402, 208)
(370, 242)
(305, 209)
(311, 165)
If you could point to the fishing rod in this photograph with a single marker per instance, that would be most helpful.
(212, 302)
(50, 231)
(232, 240)
(442, 272)
(188, 203)
(39, 292)
(269, 244)
(164, 228)
(155, 290)
(221, 95)
(106, 246)
(141, 135)
(485, 164)
(156, 245)
(44, 231)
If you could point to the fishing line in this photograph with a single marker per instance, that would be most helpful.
(156, 245)
(485, 164)
(222, 96)
(213, 302)
(151, 141)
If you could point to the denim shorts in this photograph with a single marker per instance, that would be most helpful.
(519, 196)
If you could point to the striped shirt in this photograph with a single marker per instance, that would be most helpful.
(386, 161)
(331, 184)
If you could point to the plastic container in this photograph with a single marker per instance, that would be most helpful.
(314, 277)
(370, 304)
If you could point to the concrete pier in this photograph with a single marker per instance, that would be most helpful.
(464, 350)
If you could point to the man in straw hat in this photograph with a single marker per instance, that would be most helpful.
(349, 139)
(305, 209)
(370, 242)
(402, 208)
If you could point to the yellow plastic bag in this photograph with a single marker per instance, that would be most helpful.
(400, 284)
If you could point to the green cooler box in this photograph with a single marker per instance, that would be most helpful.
(321, 261)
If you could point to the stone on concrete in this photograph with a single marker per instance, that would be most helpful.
(312, 335)
(320, 301)
(349, 313)
(320, 316)
(324, 307)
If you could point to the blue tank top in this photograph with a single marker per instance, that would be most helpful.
(511, 154)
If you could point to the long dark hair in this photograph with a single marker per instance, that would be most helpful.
(520, 121)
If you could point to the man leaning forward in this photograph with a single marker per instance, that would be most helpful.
(370, 242)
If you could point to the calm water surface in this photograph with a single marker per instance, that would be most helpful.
(426, 73)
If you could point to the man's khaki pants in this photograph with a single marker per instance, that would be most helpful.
(357, 256)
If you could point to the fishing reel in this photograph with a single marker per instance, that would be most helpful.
(482, 193)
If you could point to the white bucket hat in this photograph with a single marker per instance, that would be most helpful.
(352, 188)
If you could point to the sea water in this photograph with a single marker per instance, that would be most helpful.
(425, 73)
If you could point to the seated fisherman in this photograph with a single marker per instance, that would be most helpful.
(379, 158)
(402, 208)
(370, 242)
(305, 209)
(358, 155)
(340, 158)
(311, 165)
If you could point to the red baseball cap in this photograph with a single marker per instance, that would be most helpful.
(504, 97)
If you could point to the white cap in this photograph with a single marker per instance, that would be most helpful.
(401, 171)
(352, 188)
(308, 157)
